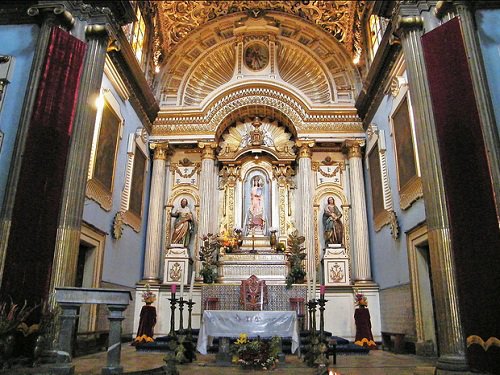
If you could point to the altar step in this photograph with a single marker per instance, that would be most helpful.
(342, 347)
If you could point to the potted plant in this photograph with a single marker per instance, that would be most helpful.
(208, 251)
(296, 255)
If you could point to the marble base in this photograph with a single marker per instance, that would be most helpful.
(336, 266)
(269, 266)
(176, 265)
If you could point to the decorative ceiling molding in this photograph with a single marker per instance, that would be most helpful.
(252, 101)
(301, 70)
(179, 19)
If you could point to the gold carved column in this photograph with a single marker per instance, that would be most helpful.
(229, 175)
(283, 175)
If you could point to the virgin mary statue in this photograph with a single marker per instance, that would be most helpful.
(255, 217)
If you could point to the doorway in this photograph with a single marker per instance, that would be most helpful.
(422, 293)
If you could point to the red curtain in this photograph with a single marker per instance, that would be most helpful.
(36, 208)
(471, 206)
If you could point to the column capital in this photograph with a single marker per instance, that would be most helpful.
(97, 30)
(405, 24)
(207, 150)
(57, 11)
(353, 148)
(160, 150)
(304, 146)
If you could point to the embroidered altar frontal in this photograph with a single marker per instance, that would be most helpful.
(228, 296)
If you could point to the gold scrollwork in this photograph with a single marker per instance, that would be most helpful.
(477, 340)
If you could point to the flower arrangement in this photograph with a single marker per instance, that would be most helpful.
(230, 242)
(360, 299)
(209, 246)
(148, 296)
(257, 353)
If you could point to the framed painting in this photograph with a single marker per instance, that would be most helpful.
(380, 188)
(132, 205)
(107, 146)
(137, 188)
(107, 135)
(409, 184)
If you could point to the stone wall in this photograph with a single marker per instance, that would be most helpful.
(396, 311)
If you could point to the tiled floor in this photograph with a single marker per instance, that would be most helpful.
(377, 362)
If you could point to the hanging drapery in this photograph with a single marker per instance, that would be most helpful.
(469, 194)
(34, 222)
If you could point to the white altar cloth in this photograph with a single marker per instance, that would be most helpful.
(266, 324)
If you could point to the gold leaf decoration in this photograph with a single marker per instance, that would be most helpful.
(214, 71)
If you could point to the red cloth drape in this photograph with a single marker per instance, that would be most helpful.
(474, 231)
(36, 208)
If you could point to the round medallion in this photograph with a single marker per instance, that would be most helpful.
(256, 56)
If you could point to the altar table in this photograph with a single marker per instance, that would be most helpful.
(265, 324)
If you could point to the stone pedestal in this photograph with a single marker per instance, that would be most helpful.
(176, 265)
(336, 266)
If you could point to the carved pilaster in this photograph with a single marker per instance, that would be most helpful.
(70, 218)
(208, 189)
(451, 340)
(153, 249)
(360, 248)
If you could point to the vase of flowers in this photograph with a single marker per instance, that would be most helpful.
(256, 354)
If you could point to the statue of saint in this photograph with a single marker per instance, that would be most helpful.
(332, 226)
(183, 225)
(255, 217)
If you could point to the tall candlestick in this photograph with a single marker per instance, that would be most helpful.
(190, 296)
(182, 284)
(322, 289)
(261, 297)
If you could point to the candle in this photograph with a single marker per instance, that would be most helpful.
(173, 288)
(190, 296)
(314, 284)
(182, 284)
(322, 289)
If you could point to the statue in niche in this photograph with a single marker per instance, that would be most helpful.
(255, 218)
(332, 225)
(183, 225)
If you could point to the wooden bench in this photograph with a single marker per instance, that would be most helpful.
(399, 342)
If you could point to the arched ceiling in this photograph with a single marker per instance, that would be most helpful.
(308, 81)
(179, 19)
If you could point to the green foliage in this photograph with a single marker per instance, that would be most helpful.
(296, 255)
(208, 251)
(257, 353)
